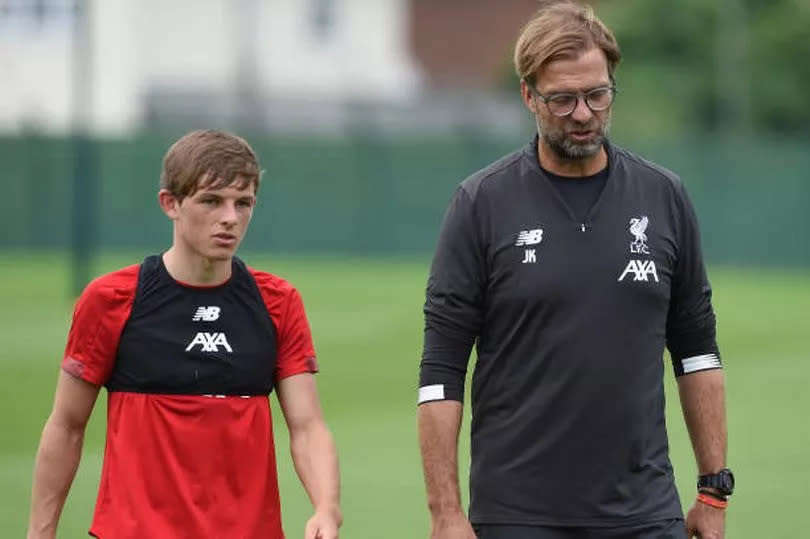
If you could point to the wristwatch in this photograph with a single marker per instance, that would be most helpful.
(723, 481)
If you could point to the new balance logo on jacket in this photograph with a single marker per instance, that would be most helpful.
(529, 237)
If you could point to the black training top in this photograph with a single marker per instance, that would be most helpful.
(570, 318)
(581, 193)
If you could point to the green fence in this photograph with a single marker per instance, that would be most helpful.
(382, 195)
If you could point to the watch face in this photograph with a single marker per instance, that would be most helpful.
(727, 479)
(722, 480)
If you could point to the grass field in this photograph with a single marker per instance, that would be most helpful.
(366, 320)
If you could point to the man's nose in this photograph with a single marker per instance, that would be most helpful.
(582, 112)
(228, 215)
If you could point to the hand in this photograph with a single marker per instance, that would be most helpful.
(323, 525)
(455, 526)
(705, 522)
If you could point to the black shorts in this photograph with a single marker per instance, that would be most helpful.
(667, 529)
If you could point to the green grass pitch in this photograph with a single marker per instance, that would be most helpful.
(367, 325)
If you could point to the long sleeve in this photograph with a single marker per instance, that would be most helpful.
(691, 334)
(454, 301)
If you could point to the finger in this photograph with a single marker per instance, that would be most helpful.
(326, 531)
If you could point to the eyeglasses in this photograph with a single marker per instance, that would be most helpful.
(564, 103)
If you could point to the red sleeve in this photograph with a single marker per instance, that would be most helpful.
(98, 319)
(295, 351)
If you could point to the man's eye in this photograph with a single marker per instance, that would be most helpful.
(599, 94)
(564, 99)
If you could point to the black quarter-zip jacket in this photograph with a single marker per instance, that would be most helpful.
(570, 319)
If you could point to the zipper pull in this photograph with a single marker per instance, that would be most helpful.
(582, 227)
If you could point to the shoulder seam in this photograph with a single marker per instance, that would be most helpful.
(479, 180)
(267, 277)
(115, 279)
(661, 171)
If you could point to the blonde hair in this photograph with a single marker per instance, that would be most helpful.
(208, 158)
(562, 29)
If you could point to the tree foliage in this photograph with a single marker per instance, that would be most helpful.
(742, 65)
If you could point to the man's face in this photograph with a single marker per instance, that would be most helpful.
(582, 133)
(212, 222)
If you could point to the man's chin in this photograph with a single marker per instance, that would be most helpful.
(220, 255)
(575, 151)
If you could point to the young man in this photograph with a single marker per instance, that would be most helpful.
(570, 264)
(189, 345)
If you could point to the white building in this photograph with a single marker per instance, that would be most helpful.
(300, 52)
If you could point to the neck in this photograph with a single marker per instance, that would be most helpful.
(196, 270)
(555, 164)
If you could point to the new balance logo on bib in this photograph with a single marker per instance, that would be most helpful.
(206, 314)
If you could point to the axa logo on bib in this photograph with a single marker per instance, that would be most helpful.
(210, 342)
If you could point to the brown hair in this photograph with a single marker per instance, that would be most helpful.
(208, 158)
(562, 29)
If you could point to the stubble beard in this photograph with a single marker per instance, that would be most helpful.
(565, 148)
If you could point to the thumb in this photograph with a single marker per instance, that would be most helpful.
(691, 530)
(312, 531)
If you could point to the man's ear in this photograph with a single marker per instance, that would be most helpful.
(528, 97)
(168, 203)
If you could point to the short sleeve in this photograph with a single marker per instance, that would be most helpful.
(295, 353)
(98, 319)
